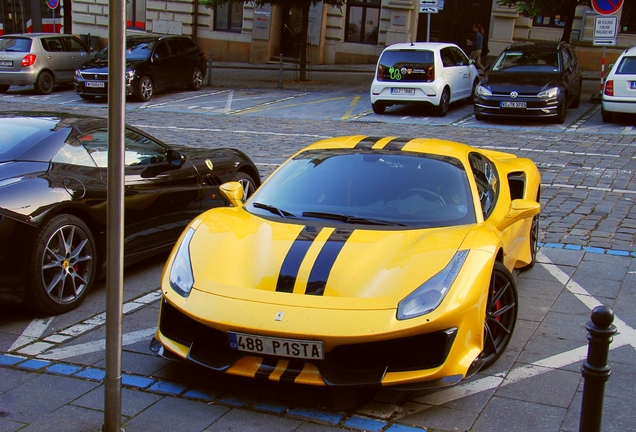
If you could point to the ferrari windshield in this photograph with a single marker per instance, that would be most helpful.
(372, 187)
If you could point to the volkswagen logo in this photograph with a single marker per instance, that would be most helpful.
(514, 94)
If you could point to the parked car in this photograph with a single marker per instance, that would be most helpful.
(153, 63)
(530, 80)
(619, 93)
(41, 60)
(53, 191)
(435, 74)
(372, 261)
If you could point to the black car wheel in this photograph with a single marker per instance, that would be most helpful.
(561, 111)
(444, 102)
(249, 186)
(378, 108)
(145, 89)
(62, 267)
(4, 88)
(608, 117)
(577, 99)
(471, 99)
(44, 83)
(501, 314)
(87, 97)
(480, 117)
(196, 81)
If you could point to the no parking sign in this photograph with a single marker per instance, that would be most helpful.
(607, 7)
(52, 4)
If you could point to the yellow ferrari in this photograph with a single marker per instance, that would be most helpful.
(360, 261)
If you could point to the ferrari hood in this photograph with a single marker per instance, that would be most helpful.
(239, 255)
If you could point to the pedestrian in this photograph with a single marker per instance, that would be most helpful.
(477, 45)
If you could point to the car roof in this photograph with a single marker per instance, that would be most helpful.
(419, 46)
(534, 46)
(34, 35)
(152, 37)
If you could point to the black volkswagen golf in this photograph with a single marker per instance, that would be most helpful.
(153, 63)
(531, 80)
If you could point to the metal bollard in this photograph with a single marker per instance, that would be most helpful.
(595, 369)
(280, 71)
(209, 83)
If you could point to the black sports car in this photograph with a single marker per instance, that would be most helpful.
(53, 188)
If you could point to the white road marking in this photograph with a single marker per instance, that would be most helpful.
(228, 102)
(33, 332)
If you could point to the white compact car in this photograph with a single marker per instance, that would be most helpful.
(619, 93)
(437, 74)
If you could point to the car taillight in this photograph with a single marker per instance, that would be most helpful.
(379, 73)
(430, 73)
(28, 60)
(609, 88)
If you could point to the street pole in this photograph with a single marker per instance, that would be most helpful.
(115, 214)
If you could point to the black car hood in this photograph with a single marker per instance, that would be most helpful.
(101, 66)
(522, 82)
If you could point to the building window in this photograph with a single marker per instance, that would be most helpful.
(628, 18)
(363, 20)
(229, 17)
(550, 20)
(136, 14)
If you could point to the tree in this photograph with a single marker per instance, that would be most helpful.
(533, 8)
(304, 5)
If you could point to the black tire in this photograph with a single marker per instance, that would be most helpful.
(378, 108)
(501, 314)
(561, 111)
(248, 183)
(62, 267)
(145, 89)
(534, 243)
(480, 117)
(88, 97)
(444, 103)
(45, 82)
(196, 79)
(576, 103)
(471, 99)
(608, 117)
(4, 88)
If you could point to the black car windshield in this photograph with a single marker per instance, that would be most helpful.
(527, 61)
(381, 188)
(406, 65)
(135, 50)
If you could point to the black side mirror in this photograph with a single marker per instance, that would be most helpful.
(176, 158)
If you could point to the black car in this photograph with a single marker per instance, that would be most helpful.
(153, 63)
(53, 189)
(530, 80)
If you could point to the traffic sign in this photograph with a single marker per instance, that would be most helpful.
(605, 27)
(428, 6)
(607, 7)
(52, 4)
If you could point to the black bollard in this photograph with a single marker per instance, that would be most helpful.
(595, 369)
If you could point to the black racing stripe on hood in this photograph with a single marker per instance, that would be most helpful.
(291, 264)
(396, 144)
(367, 143)
(326, 258)
(268, 365)
(294, 368)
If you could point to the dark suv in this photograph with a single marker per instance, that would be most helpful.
(153, 63)
(532, 80)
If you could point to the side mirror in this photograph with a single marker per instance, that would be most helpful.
(519, 209)
(176, 158)
(233, 192)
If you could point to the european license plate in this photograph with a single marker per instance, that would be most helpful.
(276, 346)
(94, 84)
(632, 85)
(513, 104)
(6, 63)
(403, 91)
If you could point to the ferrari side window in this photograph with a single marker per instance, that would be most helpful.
(73, 154)
(96, 144)
(487, 182)
(140, 150)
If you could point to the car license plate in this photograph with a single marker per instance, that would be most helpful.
(6, 63)
(513, 104)
(276, 346)
(632, 85)
(94, 84)
(403, 91)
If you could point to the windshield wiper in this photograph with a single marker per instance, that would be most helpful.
(272, 209)
(351, 219)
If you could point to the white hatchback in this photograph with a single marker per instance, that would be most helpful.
(619, 93)
(436, 74)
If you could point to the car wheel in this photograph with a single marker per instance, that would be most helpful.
(480, 117)
(577, 100)
(444, 102)
(4, 88)
(561, 110)
(534, 243)
(145, 89)
(501, 314)
(44, 83)
(196, 81)
(471, 99)
(608, 117)
(62, 267)
(87, 97)
(378, 108)
(248, 183)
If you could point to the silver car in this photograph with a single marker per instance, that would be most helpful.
(41, 59)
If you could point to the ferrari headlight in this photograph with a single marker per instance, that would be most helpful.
(430, 294)
(181, 277)
(549, 93)
(483, 91)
